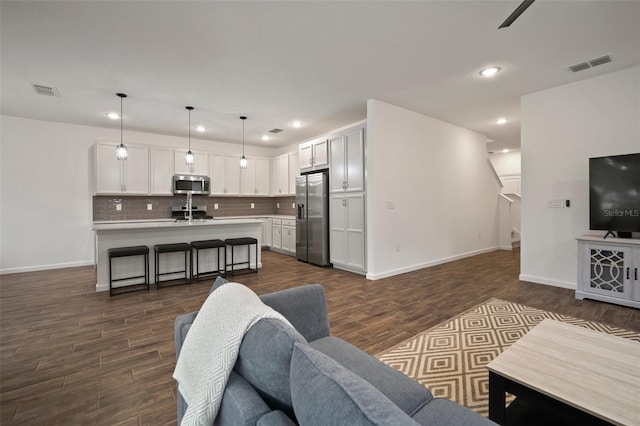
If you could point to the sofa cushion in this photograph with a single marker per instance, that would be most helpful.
(403, 391)
(444, 412)
(241, 405)
(264, 361)
(217, 283)
(326, 393)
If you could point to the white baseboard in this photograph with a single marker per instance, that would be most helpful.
(45, 267)
(412, 268)
(505, 248)
(547, 281)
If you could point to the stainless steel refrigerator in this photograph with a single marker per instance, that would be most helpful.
(312, 218)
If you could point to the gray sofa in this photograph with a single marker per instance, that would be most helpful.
(286, 376)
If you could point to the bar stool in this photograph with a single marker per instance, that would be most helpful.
(204, 245)
(172, 248)
(247, 241)
(126, 252)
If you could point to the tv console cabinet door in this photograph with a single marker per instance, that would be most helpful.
(609, 270)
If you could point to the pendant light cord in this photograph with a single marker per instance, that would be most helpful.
(121, 120)
(189, 130)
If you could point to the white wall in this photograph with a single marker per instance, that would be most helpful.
(46, 189)
(561, 128)
(506, 163)
(444, 192)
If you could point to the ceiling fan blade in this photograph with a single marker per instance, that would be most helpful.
(516, 13)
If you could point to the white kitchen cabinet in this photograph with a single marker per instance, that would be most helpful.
(254, 180)
(161, 167)
(289, 236)
(224, 174)
(281, 175)
(200, 163)
(276, 237)
(267, 232)
(113, 176)
(347, 161)
(609, 270)
(347, 224)
(294, 171)
(314, 155)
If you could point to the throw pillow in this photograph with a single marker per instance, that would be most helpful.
(264, 361)
(217, 283)
(325, 393)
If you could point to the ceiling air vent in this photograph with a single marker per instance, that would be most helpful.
(600, 61)
(590, 63)
(275, 130)
(579, 67)
(45, 90)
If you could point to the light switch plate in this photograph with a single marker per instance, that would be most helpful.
(253, 205)
(293, 205)
(555, 203)
(277, 205)
(215, 206)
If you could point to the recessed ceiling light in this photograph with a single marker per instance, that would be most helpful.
(265, 137)
(200, 128)
(490, 72)
(505, 150)
(113, 115)
(297, 124)
(500, 121)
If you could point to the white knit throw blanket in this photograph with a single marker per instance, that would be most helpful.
(211, 348)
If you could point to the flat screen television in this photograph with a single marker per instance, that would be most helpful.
(614, 194)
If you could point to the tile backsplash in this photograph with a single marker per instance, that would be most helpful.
(135, 207)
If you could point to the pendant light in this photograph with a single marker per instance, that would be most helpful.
(121, 150)
(188, 158)
(243, 159)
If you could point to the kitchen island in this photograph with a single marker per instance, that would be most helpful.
(134, 233)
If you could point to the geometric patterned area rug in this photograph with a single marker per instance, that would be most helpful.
(450, 359)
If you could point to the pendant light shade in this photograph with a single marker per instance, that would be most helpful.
(243, 159)
(121, 150)
(188, 158)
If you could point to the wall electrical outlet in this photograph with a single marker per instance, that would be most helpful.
(397, 247)
(215, 206)
(293, 205)
(277, 205)
(149, 206)
(118, 207)
(253, 205)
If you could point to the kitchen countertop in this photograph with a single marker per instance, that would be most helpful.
(169, 223)
(155, 223)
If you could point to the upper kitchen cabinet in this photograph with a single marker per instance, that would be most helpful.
(294, 171)
(200, 163)
(314, 155)
(347, 161)
(280, 175)
(225, 174)
(161, 175)
(254, 180)
(113, 176)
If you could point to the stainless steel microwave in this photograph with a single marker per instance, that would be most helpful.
(184, 184)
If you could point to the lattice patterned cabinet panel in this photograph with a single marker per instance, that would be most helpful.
(608, 270)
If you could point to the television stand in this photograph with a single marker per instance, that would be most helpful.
(609, 270)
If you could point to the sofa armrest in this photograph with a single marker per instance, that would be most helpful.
(305, 307)
(181, 328)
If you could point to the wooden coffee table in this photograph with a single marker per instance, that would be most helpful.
(569, 369)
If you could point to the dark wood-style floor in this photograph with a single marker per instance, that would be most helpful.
(70, 355)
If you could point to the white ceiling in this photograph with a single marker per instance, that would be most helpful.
(316, 61)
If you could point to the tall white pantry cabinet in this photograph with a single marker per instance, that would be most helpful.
(347, 200)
